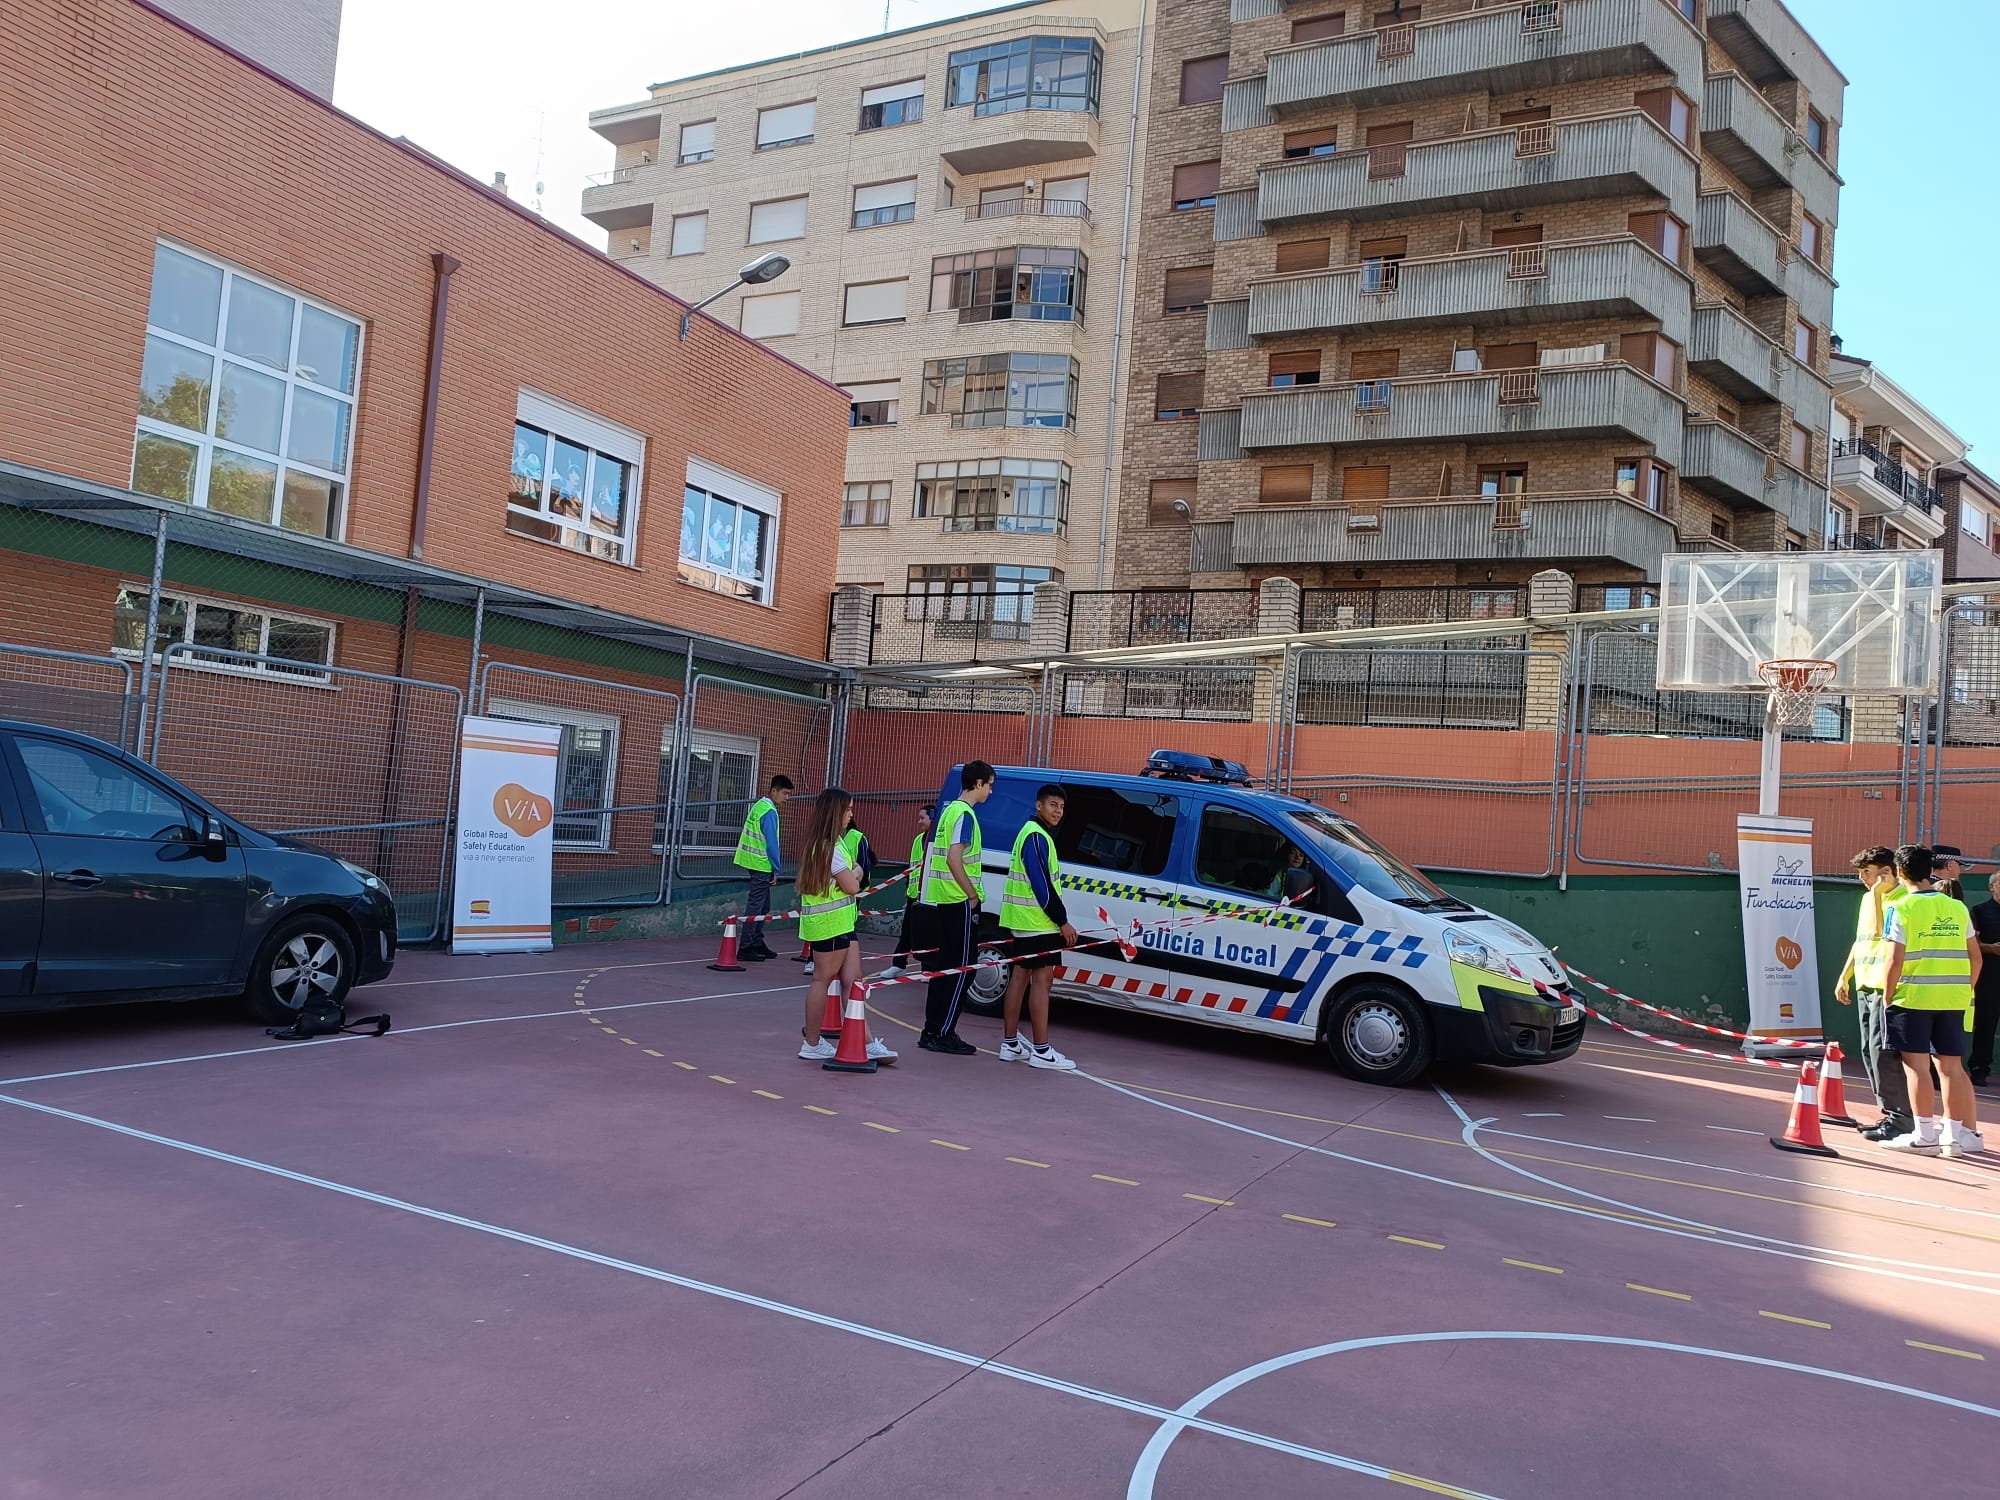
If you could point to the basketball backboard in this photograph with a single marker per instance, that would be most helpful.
(1874, 615)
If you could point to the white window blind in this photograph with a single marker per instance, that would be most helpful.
(877, 302)
(875, 390)
(690, 234)
(889, 93)
(698, 141)
(1577, 354)
(788, 122)
(1067, 190)
(784, 219)
(886, 194)
(771, 316)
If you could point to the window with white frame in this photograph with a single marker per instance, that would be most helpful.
(874, 403)
(575, 478)
(690, 234)
(775, 315)
(697, 142)
(1973, 522)
(1022, 495)
(729, 533)
(866, 503)
(786, 125)
(885, 203)
(586, 768)
(876, 302)
(291, 646)
(779, 219)
(722, 782)
(892, 104)
(246, 396)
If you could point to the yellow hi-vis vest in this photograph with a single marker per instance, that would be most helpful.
(1020, 910)
(941, 888)
(1937, 966)
(1871, 949)
(914, 886)
(751, 853)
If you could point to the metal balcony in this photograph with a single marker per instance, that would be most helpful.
(1880, 486)
(1731, 351)
(1755, 142)
(1592, 156)
(1570, 528)
(622, 198)
(1502, 49)
(1526, 284)
(1729, 466)
(1746, 250)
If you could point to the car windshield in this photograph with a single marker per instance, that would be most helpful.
(1370, 866)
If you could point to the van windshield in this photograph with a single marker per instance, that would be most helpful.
(1372, 867)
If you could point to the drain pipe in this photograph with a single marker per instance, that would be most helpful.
(1118, 317)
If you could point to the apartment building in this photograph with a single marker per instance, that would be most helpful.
(1887, 451)
(298, 40)
(952, 199)
(1447, 293)
(1972, 530)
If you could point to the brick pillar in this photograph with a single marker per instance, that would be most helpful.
(1278, 605)
(853, 626)
(1049, 630)
(1550, 592)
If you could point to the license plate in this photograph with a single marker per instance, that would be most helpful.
(1569, 1014)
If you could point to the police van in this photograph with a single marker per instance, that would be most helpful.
(1196, 896)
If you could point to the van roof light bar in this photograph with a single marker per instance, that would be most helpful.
(1184, 765)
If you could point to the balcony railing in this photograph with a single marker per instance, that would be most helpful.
(1852, 541)
(1470, 528)
(617, 175)
(1046, 208)
(1890, 474)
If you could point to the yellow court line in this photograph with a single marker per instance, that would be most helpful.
(1204, 1198)
(1944, 1349)
(1788, 1318)
(1531, 1265)
(1418, 1482)
(686, 1067)
(651, 1053)
(1316, 1223)
(626, 1040)
(887, 1129)
(949, 1145)
(1022, 1161)
(766, 1094)
(818, 1111)
(1658, 1292)
(1121, 1181)
(607, 1030)
(720, 1079)
(1404, 1239)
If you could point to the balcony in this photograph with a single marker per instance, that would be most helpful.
(1559, 401)
(1755, 142)
(1726, 348)
(1591, 156)
(1726, 465)
(1880, 486)
(1023, 138)
(1765, 38)
(1750, 253)
(1025, 207)
(1569, 528)
(1504, 49)
(622, 198)
(1524, 285)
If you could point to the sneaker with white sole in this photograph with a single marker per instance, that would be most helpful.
(878, 1051)
(894, 971)
(1962, 1143)
(1015, 1049)
(1911, 1143)
(1048, 1057)
(818, 1051)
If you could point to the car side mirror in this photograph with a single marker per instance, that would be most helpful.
(214, 842)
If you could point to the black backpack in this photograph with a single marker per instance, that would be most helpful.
(319, 1017)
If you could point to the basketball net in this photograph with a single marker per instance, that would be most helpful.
(1796, 685)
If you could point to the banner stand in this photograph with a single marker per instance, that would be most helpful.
(1781, 958)
(503, 891)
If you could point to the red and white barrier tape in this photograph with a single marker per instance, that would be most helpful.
(1660, 1041)
(1740, 1036)
(799, 911)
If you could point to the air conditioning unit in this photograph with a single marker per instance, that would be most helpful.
(1364, 520)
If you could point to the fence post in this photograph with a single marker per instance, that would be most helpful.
(1049, 630)
(1278, 603)
(852, 642)
(1550, 592)
(138, 742)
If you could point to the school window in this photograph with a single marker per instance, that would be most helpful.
(218, 625)
(874, 403)
(1319, 28)
(1177, 398)
(1299, 144)
(1165, 501)
(866, 504)
(722, 782)
(1019, 281)
(779, 219)
(1285, 484)
(1188, 288)
(690, 235)
(1202, 78)
(786, 125)
(1027, 496)
(1809, 237)
(1643, 481)
(1039, 72)
(775, 315)
(1238, 852)
(1298, 368)
(1658, 356)
(885, 203)
(892, 104)
(1802, 342)
(869, 302)
(1002, 390)
(1196, 184)
(1671, 109)
(729, 533)
(996, 598)
(246, 396)
(1665, 234)
(697, 142)
(1105, 828)
(586, 769)
(1302, 255)
(574, 479)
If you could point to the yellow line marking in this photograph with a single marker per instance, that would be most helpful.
(1788, 1318)
(1404, 1239)
(651, 1053)
(1121, 1181)
(1531, 1265)
(686, 1067)
(949, 1145)
(1943, 1349)
(1022, 1161)
(1655, 1291)
(766, 1094)
(720, 1079)
(890, 1129)
(607, 1030)
(818, 1111)
(1316, 1223)
(1204, 1198)
(1418, 1482)
(626, 1040)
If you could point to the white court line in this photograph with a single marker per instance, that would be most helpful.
(275, 1049)
(1546, 1114)
(726, 1293)
(1734, 1129)
(1633, 1119)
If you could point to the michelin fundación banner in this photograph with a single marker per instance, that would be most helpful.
(506, 811)
(1774, 858)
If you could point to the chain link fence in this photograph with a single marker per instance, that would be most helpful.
(1107, 619)
(1965, 769)
(70, 690)
(739, 735)
(1447, 686)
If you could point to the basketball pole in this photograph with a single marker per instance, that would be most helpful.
(1771, 763)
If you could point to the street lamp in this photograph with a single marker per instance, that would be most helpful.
(764, 268)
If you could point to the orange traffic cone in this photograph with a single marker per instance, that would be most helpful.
(1833, 1092)
(853, 1054)
(829, 1019)
(725, 961)
(1802, 1129)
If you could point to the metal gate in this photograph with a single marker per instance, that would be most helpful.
(70, 690)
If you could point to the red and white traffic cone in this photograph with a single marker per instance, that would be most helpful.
(852, 1056)
(829, 1019)
(725, 961)
(1833, 1092)
(1802, 1129)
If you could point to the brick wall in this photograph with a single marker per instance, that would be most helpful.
(297, 38)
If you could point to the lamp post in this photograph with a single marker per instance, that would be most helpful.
(764, 268)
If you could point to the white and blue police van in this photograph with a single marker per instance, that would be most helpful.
(1244, 908)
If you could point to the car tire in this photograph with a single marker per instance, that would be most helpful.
(310, 954)
(1377, 1033)
(985, 987)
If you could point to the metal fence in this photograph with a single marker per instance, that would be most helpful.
(71, 690)
(739, 735)
(947, 627)
(1437, 687)
(1619, 696)
(1364, 608)
(1105, 619)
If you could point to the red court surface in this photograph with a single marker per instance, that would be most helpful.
(582, 1225)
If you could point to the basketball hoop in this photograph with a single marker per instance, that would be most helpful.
(1796, 685)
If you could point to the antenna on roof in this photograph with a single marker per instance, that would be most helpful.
(541, 122)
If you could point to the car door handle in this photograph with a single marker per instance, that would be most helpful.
(78, 877)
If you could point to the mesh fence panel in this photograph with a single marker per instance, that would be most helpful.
(70, 690)
(1620, 697)
(1449, 686)
(1365, 608)
(949, 627)
(1105, 619)
(362, 764)
(1967, 789)
(740, 735)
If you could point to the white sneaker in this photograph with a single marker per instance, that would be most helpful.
(894, 971)
(1048, 1057)
(1908, 1142)
(1015, 1049)
(818, 1051)
(878, 1051)
(1962, 1143)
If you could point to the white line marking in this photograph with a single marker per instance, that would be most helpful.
(1734, 1129)
(1634, 1119)
(1543, 1115)
(725, 1293)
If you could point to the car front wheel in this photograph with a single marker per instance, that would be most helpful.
(1379, 1034)
(309, 957)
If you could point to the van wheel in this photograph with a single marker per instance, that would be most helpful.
(307, 957)
(985, 987)
(1378, 1034)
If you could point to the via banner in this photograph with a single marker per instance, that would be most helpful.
(1774, 860)
(506, 812)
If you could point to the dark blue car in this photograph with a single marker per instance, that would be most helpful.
(118, 884)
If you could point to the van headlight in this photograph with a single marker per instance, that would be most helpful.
(1466, 949)
(368, 878)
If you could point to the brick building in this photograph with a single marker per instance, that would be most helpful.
(1887, 450)
(299, 39)
(1972, 532)
(1447, 293)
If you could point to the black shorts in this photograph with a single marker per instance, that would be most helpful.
(1035, 950)
(1936, 1031)
(833, 944)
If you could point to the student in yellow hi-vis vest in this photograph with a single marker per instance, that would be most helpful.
(1038, 929)
(1861, 978)
(1934, 960)
(829, 885)
(757, 851)
(952, 891)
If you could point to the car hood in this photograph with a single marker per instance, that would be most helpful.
(1533, 956)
